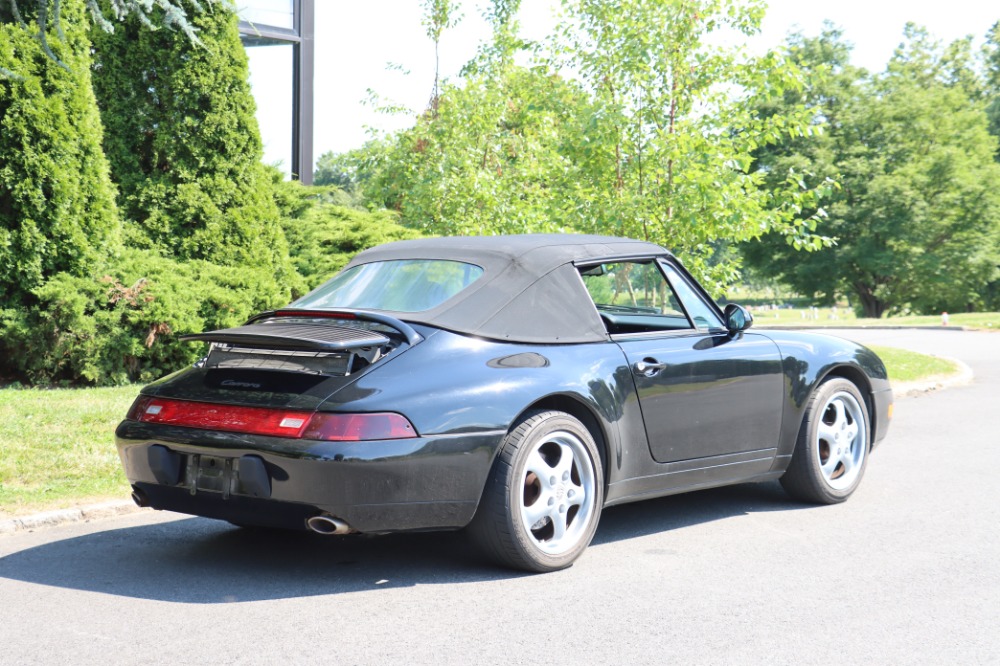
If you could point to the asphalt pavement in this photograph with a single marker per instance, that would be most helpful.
(907, 571)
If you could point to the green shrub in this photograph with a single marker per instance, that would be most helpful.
(122, 325)
(323, 235)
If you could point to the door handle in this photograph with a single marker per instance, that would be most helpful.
(648, 367)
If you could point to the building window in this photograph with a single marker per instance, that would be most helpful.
(278, 36)
(271, 13)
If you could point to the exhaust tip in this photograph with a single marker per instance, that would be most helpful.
(139, 497)
(327, 525)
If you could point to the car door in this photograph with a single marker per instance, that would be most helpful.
(702, 391)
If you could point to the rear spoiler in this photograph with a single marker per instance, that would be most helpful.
(296, 337)
(308, 336)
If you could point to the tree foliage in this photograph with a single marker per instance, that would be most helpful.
(83, 302)
(57, 211)
(991, 87)
(627, 121)
(324, 234)
(917, 215)
(183, 142)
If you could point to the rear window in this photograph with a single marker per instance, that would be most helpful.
(406, 285)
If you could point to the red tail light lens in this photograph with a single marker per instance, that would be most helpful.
(252, 420)
(275, 422)
(358, 427)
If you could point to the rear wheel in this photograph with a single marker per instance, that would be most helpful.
(832, 450)
(543, 499)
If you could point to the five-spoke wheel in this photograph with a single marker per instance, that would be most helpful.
(832, 449)
(841, 440)
(544, 496)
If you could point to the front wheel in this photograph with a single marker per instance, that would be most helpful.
(832, 449)
(544, 496)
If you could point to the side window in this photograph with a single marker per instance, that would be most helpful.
(701, 312)
(634, 297)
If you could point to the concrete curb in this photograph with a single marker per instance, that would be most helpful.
(64, 516)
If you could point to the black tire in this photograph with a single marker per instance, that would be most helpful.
(831, 453)
(549, 470)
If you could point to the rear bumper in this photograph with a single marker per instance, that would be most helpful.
(378, 486)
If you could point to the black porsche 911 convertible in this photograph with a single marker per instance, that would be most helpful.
(511, 385)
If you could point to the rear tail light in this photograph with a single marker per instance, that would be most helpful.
(358, 427)
(295, 424)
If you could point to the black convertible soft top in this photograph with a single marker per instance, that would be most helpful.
(530, 290)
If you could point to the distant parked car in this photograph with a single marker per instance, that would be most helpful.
(511, 385)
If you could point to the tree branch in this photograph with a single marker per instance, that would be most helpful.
(43, 11)
(9, 75)
(17, 14)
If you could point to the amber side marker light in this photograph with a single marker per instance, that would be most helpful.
(295, 424)
(892, 407)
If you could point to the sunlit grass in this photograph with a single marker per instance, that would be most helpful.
(57, 447)
(908, 366)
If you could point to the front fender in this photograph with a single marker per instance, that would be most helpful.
(807, 360)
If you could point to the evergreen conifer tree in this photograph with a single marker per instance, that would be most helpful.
(57, 203)
(184, 145)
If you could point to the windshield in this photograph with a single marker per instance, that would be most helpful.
(406, 285)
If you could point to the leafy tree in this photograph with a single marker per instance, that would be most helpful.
(625, 121)
(438, 15)
(183, 142)
(674, 124)
(488, 161)
(57, 209)
(335, 169)
(991, 70)
(917, 215)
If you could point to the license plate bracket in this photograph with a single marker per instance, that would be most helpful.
(210, 473)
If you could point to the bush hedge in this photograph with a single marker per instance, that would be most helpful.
(90, 297)
(122, 324)
(323, 234)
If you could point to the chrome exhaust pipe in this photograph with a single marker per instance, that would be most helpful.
(140, 498)
(324, 524)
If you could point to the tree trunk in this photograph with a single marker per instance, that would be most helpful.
(871, 306)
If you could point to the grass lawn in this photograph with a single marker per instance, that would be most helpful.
(907, 366)
(989, 321)
(57, 446)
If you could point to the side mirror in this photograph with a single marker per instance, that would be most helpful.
(738, 318)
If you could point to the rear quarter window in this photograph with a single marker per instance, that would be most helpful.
(404, 285)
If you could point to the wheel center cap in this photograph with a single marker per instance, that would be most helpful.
(560, 492)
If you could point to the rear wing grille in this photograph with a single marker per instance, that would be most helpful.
(227, 357)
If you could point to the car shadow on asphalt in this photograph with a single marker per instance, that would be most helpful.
(200, 561)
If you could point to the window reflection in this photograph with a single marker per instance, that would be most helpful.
(276, 13)
(271, 80)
